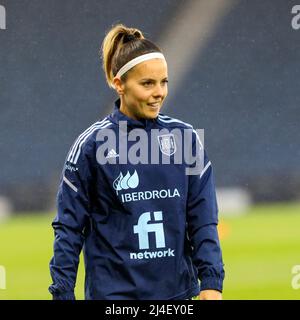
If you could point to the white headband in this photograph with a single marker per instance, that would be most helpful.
(130, 64)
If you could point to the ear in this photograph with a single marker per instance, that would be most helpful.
(119, 85)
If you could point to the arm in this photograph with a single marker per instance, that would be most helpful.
(73, 203)
(202, 220)
(210, 295)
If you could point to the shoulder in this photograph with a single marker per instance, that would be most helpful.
(84, 142)
(170, 122)
(173, 123)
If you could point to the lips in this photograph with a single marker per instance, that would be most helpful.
(154, 104)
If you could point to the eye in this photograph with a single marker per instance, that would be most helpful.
(147, 83)
(165, 81)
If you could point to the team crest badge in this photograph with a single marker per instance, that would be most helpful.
(167, 144)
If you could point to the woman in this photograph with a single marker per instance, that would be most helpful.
(148, 231)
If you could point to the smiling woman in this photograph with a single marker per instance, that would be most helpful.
(137, 70)
(143, 94)
(148, 230)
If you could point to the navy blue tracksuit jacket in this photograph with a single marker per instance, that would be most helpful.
(148, 231)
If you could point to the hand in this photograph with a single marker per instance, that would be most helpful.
(210, 295)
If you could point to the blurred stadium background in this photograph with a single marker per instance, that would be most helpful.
(234, 70)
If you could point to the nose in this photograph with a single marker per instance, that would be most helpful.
(159, 91)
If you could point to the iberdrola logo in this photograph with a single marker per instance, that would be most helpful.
(126, 182)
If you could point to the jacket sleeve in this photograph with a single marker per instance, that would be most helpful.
(202, 221)
(73, 203)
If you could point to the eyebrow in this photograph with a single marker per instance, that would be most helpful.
(150, 79)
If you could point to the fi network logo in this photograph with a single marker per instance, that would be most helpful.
(2, 18)
(143, 228)
(2, 278)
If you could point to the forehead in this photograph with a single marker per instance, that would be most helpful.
(154, 68)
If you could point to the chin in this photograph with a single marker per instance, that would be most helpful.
(151, 115)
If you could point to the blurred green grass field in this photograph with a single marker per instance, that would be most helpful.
(259, 249)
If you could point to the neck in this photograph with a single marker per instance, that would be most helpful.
(124, 110)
